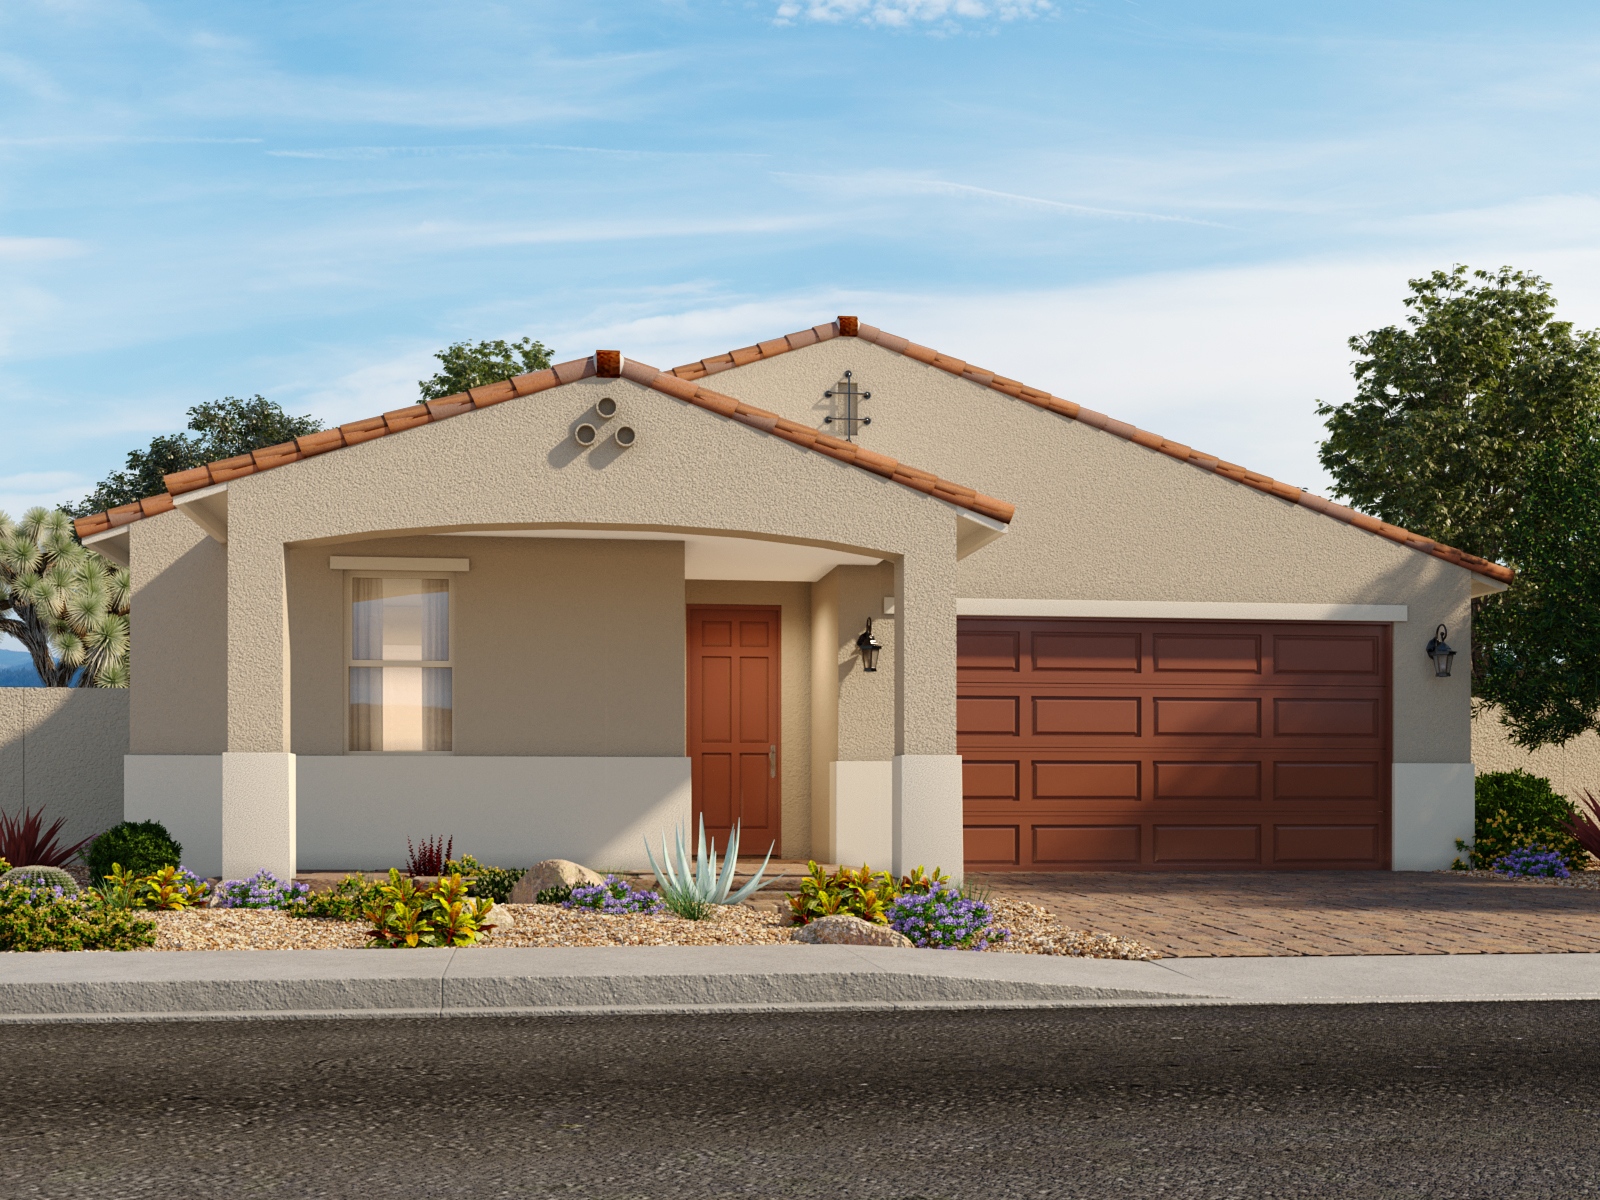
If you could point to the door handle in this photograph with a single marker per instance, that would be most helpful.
(772, 762)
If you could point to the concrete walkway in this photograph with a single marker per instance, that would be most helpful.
(366, 983)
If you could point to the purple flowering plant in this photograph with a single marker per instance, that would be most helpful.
(262, 890)
(1537, 862)
(943, 919)
(614, 898)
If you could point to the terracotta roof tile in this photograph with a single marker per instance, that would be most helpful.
(674, 384)
(853, 327)
(320, 443)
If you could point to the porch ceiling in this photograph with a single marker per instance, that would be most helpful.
(707, 556)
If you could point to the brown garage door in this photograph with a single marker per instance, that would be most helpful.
(1182, 745)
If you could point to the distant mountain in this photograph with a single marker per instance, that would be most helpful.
(16, 669)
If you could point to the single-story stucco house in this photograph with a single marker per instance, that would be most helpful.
(556, 615)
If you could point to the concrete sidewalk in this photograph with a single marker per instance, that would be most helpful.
(365, 983)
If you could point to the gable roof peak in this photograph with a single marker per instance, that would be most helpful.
(854, 327)
(603, 364)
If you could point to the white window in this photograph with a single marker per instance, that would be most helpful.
(399, 664)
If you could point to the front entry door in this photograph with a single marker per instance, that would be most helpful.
(733, 722)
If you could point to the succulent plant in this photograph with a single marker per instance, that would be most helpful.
(41, 877)
(692, 889)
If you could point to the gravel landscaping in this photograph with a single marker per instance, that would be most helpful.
(1589, 878)
(1034, 931)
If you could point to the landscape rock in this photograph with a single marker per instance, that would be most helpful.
(553, 872)
(503, 920)
(842, 929)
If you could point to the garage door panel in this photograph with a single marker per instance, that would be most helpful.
(1115, 716)
(1353, 844)
(1326, 780)
(1230, 653)
(1204, 845)
(1207, 780)
(1086, 845)
(989, 780)
(1326, 717)
(992, 845)
(988, 650)
(1326, 654)
(1191, 716)
(1118, 652)
(987, 715)
(1169, 745)
(1085, 780)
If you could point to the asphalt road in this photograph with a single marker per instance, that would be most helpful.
(1429, 1100)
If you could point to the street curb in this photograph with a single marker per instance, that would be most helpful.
(638, 981)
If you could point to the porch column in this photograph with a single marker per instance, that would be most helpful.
(927, 769)
(258, 771)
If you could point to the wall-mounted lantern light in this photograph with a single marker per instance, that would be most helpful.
(869, 647)
(1441, 654)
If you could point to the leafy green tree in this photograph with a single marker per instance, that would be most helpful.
(217, 429)
(65, 604)
(1476, 424)
(473, 364)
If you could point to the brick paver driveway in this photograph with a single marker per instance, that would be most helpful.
(1323, 912)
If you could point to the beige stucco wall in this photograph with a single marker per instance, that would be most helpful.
(516, 465)
(178, 648)
(1572, 769)
(795, 678)
(562, 647)
(61, 750)
(1100, 518)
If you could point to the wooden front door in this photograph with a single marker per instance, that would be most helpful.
(734, 722)
(1173, 745)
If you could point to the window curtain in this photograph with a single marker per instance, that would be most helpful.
(437, 709)
(366, 620)
(366, 705)
(436, 620)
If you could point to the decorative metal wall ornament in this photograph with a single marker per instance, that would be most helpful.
(847, 391)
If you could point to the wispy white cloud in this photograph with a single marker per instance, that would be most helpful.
(36, 249)
(441, 233)
(901, 185)
(900, 13)
(484, 150)
(19, 493)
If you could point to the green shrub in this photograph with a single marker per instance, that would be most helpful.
(141, 848)
(39, 920)
(492, 883)
(863, 893)
(347, 900)
(1514, 810)
(41, 877)
(559, 894)
(405, 915)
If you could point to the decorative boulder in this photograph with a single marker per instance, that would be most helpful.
(503, 920)
(552, 872)
(842, 929)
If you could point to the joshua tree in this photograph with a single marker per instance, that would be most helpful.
(66, 605)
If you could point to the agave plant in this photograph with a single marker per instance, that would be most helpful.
(67, 605)
(692, 889)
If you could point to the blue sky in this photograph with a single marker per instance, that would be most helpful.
(1173, 212)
